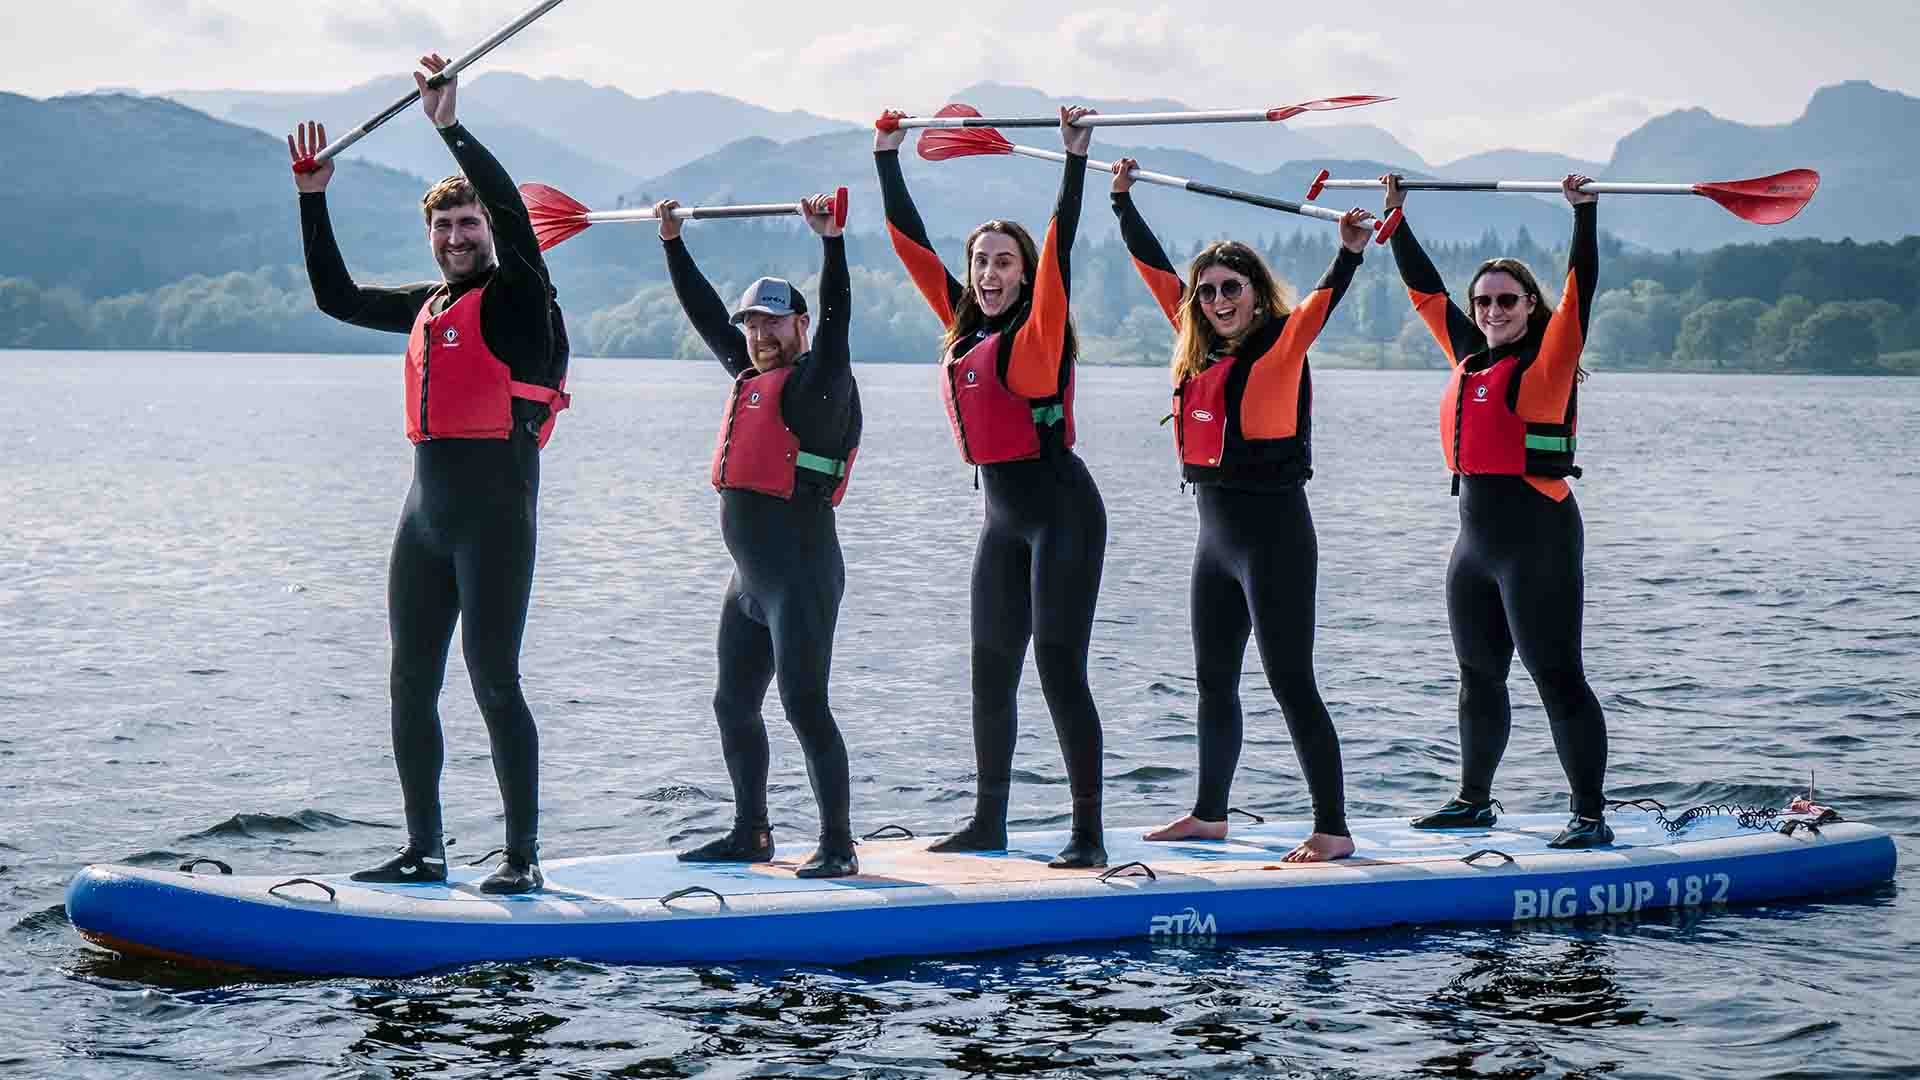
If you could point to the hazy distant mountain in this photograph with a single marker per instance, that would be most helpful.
(1518, 165)
(408, 142)
(1858, 136)
(110, 193)
(591, 141)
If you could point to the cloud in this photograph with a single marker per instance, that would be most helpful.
(201, 20)
(1153, 43)
(385, 26)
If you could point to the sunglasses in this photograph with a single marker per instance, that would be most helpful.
(1230, 290)
(1507, 301)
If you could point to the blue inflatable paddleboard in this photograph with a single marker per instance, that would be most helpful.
(649, 908)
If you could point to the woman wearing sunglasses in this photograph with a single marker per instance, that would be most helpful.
(1515, 580)
(1242, 404)
(1007, 376)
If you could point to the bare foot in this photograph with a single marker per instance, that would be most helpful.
(1321, 847)
(1189, 828)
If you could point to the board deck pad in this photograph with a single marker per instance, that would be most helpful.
(909, 901)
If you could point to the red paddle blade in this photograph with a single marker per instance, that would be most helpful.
(556, 216)
(1764, 200)
(939, 144)
(1345, 101)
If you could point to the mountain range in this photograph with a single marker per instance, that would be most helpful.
(116, 192)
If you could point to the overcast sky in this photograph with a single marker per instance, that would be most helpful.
(1470, 74)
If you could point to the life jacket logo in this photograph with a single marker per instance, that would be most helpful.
(1182, 924)
(1480, 392)
(753, 399)
(972, 377)
(451, 336)
(1202, 415)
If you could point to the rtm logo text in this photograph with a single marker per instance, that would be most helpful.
(1183, 924)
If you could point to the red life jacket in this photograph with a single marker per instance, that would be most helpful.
(1211, 445)
(456, 387)
(990, 422)
(1482, 435)
(757, 451)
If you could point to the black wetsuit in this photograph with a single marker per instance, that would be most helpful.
(778, 616)
(1042, 546)
(1515, 581)
(464, 550)
(1256, 558)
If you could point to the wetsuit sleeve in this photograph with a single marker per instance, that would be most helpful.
(376, 308)
(1548, 382)
(1149, 258)
(1269, 409)
(1450, 326)
(836, 310)
(1040, 345)
(704, 308)
(909, 236)
(514, 313)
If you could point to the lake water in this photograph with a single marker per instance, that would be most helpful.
(193, 660)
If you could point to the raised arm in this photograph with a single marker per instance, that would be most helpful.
(908, 232)
(830, 353)
(1149, 258)
(1039, 346)
(334, 290)
(1548, 382)
(1270, 405)
(704, 308)
(1449, 325)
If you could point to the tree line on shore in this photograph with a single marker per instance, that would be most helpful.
(1785, 306)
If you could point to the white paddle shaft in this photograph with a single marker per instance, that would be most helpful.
(1548, 187)
(460, 62)
(684, 213)
(1163, 179)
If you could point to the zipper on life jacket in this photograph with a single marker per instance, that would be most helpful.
(426, 363)
(1459, 411)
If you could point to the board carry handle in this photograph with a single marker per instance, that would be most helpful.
(1122, 869)
(321, 885)
(691, 890)
(889, 832)
(1468, 859)
(187, 867)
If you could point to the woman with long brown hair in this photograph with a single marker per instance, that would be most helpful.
(1006, 365)
(1515, 580)
(1242, 423)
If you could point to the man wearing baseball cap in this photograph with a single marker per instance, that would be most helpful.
(787, 442)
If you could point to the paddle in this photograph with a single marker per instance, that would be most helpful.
(333, 149)
(557, 216)
(1763, 200)
(948, 118)
(941, 145)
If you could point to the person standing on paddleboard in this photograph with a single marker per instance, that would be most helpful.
(1515, 581)
(787, 443)
(1006, 369)
(1242, 425)
(486, 358)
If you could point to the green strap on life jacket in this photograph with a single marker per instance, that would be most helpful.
(1558, 444)
(1049, 415)
(835, 469)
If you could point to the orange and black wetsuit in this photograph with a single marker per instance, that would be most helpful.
(464, 550)
(1256, 560)
(1516, 580)
(1042, 546)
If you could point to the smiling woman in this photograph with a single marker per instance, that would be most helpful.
(1242, 422)
(1007, 366)
(1515, 582)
